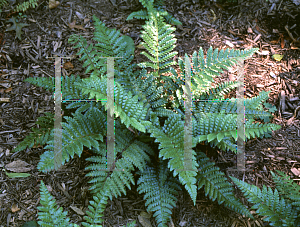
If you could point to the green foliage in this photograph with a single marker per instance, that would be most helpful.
(152, 6)
(40, 135)
(22, 7)
(26, 5)
(149, 115)
(3, 3)
(159, 188)
(50, 215)
(280, 207)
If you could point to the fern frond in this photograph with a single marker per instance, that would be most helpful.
(171, 139)
(26, 5)
(205, 70)
(44, 82)
(159, 192)
(68, 88)
(148, 90)
(78, 131)
(287, 188)
(127, 106)
(147, 3)
(134, 153)
(220, 91)
(49, 214)
(96, 209)
(142, 14)
(159, 42)
(151, 7)
(268, 203)
(257, 129)
(216, 128)
(109, 43)
(39, 136)
(217, 185)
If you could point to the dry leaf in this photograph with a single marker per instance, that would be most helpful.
(15, 208)
(145, 222)
(53, 4)
(18, 166)
(36, 146)
(290, 121)
(73, 25)
(8, 90)
(77, 210)
(68, 65)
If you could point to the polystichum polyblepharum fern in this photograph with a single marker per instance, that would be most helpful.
(151, 104)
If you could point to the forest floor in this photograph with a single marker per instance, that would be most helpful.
(271, 27)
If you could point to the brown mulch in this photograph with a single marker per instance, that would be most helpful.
(272, 26)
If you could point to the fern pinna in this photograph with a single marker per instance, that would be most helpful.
(150, 119)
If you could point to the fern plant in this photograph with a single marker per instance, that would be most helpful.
(280, 207)
(149, 120)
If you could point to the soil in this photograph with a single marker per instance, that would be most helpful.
(271, 26)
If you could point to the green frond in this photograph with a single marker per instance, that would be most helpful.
(142, 14)
(257, 129)
(268, 203)
(171, 139)
(80, 130)
(26, 5)
(148, 90)
(82, 107)
(109, 43)
(287, 188)
(47, 83)
(256, 101)
(171, 20)
(159, 42)
(96, 209)
(159, 191)
(134, 154)
(39, 136)
(220, 129)
(68, 88)
(217, 185)
(49, 214)
(151, 8)
(205, 70)
(220, 91)
(132, 224)
(146, 3)
(127, 106)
